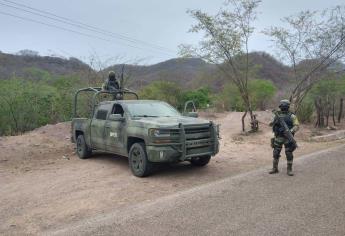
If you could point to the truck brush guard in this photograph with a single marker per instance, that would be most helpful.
(194, 140)
(210, 143)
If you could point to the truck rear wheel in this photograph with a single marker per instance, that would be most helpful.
(83, 150)
(200, 161)
(138, 162)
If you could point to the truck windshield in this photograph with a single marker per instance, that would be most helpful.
(154, 109)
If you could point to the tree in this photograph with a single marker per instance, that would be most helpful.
(27, 52)
(311, 42)
(325, 94)
(226, 43)
(201, 97)
(231, 98)
(162, 90)
(65, 87)
(34, 74)
(260, 91)
(24, 105)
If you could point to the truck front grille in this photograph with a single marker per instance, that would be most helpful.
(198, 133)
(197, 130)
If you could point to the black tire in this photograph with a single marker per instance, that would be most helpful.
(200, 161)
(83, 151)
(138, 162)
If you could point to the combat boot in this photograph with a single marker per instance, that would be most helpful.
(289, 169)
(275, 167)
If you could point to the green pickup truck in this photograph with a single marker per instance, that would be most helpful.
(145, 131)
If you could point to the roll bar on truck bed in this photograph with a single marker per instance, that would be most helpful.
(97, 91)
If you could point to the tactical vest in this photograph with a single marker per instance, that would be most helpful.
(278, 129)
(112, 85)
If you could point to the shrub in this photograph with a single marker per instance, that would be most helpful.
(306, 111)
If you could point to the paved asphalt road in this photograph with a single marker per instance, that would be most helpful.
(255, 203)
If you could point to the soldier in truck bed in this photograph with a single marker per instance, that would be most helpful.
(111, 84)
(279, 139)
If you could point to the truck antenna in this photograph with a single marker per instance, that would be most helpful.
(122, 80)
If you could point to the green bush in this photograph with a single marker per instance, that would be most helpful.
(162, 90)
(28, 104)
(306, 111)
(261, 93)
(230, 98)
(200, 97)
(172, 93)
(25, 105)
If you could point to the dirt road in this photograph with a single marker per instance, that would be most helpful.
(254, 203)
(45, 186)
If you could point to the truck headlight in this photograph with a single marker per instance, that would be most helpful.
(159, 133)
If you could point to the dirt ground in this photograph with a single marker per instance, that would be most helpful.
(44, 186)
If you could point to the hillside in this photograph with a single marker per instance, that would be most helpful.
(183, 71)
(270, 68)
(23, 65)
(194, 72)
(187, 72)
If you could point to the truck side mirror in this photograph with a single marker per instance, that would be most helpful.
(116, 117)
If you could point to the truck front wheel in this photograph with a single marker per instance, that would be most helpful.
(138, 162)
(83, 150)
(200, 161)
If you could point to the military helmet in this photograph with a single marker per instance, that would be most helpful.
(112, 74)
(284, 104)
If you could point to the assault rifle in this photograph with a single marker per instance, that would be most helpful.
(287, 132)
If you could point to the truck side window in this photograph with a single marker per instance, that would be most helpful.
(117, 109)
(101, 114)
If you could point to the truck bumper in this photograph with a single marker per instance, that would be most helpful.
(171, 154)
(162, 154)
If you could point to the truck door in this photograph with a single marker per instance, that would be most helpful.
(114, 131)
(97, 129)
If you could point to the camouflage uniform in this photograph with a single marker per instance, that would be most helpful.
(111, 84)
(279, 139)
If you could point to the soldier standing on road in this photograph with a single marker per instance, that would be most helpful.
(111, 84)
(279, 138)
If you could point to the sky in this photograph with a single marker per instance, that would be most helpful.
(134, 31)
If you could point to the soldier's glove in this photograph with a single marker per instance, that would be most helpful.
(292, 132)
